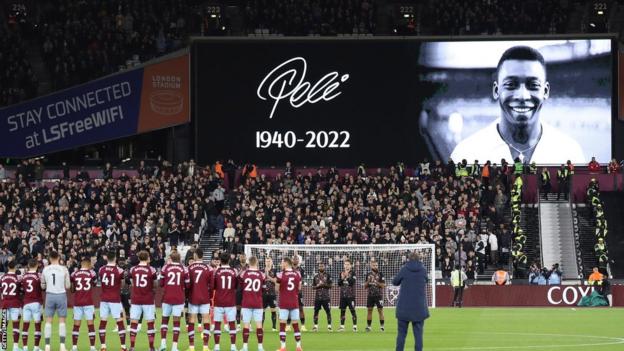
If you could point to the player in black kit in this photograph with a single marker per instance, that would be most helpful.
(322, 284)
(269, 296)
(347, 295)
(375, 283)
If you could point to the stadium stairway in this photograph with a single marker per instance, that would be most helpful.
(209, 243)
(529, 222)
(558, 244)
(584, 226)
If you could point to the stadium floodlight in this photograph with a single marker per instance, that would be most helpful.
(390, 258)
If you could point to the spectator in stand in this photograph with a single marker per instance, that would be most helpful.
(107, 172)
(595, 278)
(554, 276)
(614, 167)
(563, 182)
(500, 201)
(493, 242)
(65, 168)
(500, 277)
(594, 166)
(504, 244)
(229, 233)
(230, 170)
(534, 273)
(570, 167)
(470, 270)
(545, 180)
(2, 172)
(447, 267)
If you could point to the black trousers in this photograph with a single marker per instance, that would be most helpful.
(318, 304)
(458, 296)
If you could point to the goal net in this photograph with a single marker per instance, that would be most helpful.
(389, 257)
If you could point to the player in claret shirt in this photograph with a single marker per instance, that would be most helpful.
(10, 289)
(288, 282)
(142, 278)
(174, 279)
(82, 281)
(112, 279)
(252, 281)
(224, 283)
(200, 275)
(31, 286)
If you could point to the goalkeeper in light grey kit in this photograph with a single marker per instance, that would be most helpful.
(55, 283)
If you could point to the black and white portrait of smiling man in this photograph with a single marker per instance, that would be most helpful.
(539, 101)
(521, 88)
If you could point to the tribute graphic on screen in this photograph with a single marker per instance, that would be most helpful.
(341, 102)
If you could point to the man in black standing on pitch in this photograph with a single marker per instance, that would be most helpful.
(412, 302)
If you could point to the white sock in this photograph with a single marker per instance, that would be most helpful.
(15, 346)
(47, 332)
(174, 345)
(245, 345)
(298, 343)
(163, 343)
(62, 332)
(283, 344)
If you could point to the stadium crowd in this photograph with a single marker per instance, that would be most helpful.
(84, 40)
(468, 211)
(491, 17)
(437, 205)
(17, 80)
(315, 17)
(163, 204)
(86, 217)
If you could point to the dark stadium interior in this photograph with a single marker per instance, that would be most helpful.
(378, 100)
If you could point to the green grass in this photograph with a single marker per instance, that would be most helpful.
(448, 329)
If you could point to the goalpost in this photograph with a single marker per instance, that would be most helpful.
(390, 257)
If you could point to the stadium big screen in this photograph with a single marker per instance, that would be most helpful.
(381, 100)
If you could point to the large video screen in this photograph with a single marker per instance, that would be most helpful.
(378, 101)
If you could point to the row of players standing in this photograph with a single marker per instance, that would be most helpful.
(197, 282)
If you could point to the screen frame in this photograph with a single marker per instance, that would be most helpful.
(617, 125)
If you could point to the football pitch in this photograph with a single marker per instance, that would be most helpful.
(449, 329)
